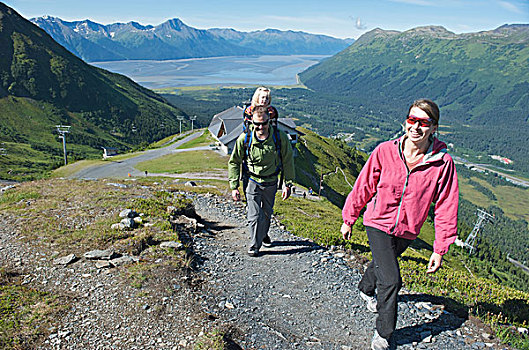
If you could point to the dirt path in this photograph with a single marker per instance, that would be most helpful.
(297, 295)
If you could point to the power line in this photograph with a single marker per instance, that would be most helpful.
(483, 218)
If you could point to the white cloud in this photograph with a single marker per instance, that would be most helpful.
(509, 6)
(358, 23)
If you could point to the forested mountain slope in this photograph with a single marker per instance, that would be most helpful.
(42, 85)
(480, 80)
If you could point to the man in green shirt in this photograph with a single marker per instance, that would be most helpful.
(262, 161)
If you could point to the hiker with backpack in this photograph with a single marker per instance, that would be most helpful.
(261, 97)
(264, 153)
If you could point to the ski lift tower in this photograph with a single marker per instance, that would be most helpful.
(180, 118)
(63, 130)
(193, 118)
(483, 218)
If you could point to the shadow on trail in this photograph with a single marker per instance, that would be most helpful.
(445, 322)
(217, 226)
(301, 247)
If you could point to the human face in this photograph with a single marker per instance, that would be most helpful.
(263, 99)
(260, 124)
(415, 132)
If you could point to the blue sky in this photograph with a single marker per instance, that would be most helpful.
(338, 18)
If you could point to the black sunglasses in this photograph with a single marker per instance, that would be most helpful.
(260, 124)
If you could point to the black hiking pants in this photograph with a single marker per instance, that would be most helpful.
(383, 276)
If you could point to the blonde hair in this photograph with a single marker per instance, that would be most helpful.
(258, 92)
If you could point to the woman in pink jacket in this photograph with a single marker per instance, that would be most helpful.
(399, 182)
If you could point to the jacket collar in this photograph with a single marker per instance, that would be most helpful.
(435, 152)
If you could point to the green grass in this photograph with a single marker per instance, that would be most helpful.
(213, 340)
(13, 196)
(25, 313)
(514, 201)
(203, 140)
(317, 220)
(184, 162)
(98, 207)
(486, 299)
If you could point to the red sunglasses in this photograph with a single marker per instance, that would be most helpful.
(411, 119)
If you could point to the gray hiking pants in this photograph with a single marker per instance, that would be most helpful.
(260, 201)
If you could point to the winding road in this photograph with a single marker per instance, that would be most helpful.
(122, 168)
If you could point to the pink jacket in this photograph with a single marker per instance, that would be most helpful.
(398, 200)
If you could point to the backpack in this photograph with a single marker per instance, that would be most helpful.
(273, 115)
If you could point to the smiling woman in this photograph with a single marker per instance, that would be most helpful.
(399, 182)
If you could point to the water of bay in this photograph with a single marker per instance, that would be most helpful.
(236, 70)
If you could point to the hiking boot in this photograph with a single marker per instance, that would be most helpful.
(379, 343)
(371, 302)
(267, 242)
(253, 252)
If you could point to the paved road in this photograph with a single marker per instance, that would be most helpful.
(489, 168)
(122, 168)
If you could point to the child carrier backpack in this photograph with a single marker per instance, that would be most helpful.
(273, 115)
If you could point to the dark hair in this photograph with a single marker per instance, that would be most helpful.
(260, 110)
(429, 107)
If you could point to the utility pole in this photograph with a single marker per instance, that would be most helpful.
(180, 118)
(483, 218)
(192, 119)
(63, 130)
(321, 181)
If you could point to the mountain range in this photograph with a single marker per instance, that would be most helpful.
(43, 85)
(480, 81)
(175, 40)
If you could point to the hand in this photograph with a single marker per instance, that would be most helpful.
(435, 263)
(346, 231)
(286, 192)
(236, 195)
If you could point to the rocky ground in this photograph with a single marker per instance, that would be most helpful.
(296, 295)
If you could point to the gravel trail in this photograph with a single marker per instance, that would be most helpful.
(296, 295)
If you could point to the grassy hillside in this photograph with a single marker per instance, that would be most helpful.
(42, 85)
(463, 291)
(331, 160)
(480, 81)
(466, 285)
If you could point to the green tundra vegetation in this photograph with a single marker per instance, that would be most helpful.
(480, 81)
(27, 315)
(43, 85)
